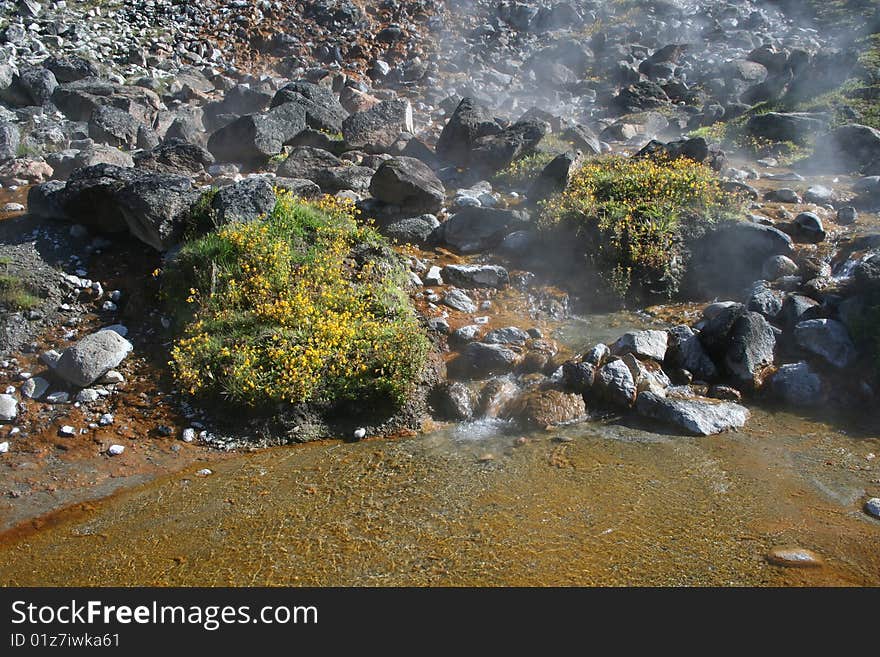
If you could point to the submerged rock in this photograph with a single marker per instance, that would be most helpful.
(794, 557)
(544, 408)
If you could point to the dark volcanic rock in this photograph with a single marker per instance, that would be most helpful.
(409, 184)
(750, 349)
(468, 123)
(537, 409)
(377, 128)
(480, 361)
(307, 162)
(777, 126)
(246, 200)
(254, 138)
(320, 106)
(495, 152)
(473, 230)
(175, 156)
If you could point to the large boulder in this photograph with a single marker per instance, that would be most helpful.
(175, 156)
(828, 339)
(413, 230)
(468, 123)
(777, 126)
(92, 357)
(481, 361)
(307, 162)
(475, 229)
(453, 400)
(320, 106)
(408, 184)
(89, 197)
(554, 177)
(32, 86)
(377, 128)
(116, 127)
(253, 138)
(697, 416)
(731, 257)
(848, 148)
(156, 208)
(79, 100)
(685, 351)
(645, 344)
(615, 384)
(70, 68)
(750, 348)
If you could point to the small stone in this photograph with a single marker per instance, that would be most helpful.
(105, 420)
(10, 390)
(189, 435)
(204, 472)
(112, 377)
(58, 398)
(24, 376)
(360, 434)
(109, 306)
(35, 388)
(872, 507)
(794, 557)
(4, 447)
(115, 450)
(67, 431)
(8, 408)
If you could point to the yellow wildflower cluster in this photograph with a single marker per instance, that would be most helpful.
(630, 213)
(289, 315)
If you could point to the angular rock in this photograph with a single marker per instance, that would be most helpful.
(696, 416)
(614, 382)
(416, 230)
(473, 230)
(828, 339)
(507, 335)
(468, 123)
(495, 152)
(307, 162)
(480, 361)
(253, 138)
(453, 401)
(244, 201)
(377, 128)
(92, 357)
(796, 384)
(8, 408)
(409, 184)
(750, 348)
(476, 276)
(646, 344)
(685, 351)
(458, 300)
(175, 156)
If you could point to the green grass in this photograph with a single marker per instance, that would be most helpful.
(15, 294)
(305, 306)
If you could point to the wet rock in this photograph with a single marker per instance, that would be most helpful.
(495, 396)
(409, 184)
(796, 384)
(376, 129)
(474, 230)
(468, 123)
(750, 348)
(537, 409)
(480, 361)
(453, 401)
(645, 344)
(809, 228)
(476, 276)
(872, 507)
(762, 299)
(92, 357)
(8, 408)
(507, 335)
(244, 201)
(465, 334)
(828, 339)
(696, 416)
(253, 138)
(794, 557)
(458, 300)
(614, 382)
(597, 355)
(578, 376)
(647, 374)
(727, 393)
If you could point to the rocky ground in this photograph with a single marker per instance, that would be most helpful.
(117, 118)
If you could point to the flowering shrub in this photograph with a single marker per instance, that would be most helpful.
(302, 306)
(631, 215)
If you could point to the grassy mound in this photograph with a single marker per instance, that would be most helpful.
(302, 307)
(630, 219)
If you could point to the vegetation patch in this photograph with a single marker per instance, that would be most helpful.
(15, 294)
(631, 219)
(305, 306)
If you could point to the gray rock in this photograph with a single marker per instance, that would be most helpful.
(479, 361)
(8, 408)
(819, 194)
(578, 377)
(469, 122)
(409, 184)
(696, 416)
(507, 335)
(597, 355)
(762, 299)
(646, 344)
(777, 126)
(92, 357)
(307, 162)
(826, 338)
(614, 382)
(750, 349)
(778, 266)
(685, 351)
(376, 129)
(797, 384)
(783, 195)
(156, 207)
(872, 507)
(495, 152)
(476, 276)
(320, 106)
(244, 201)
(175, 156)
(465, 334)
(454, 401)
(809, 227)
(116, 127)
(253, 138)
(416, 230)
(554, 177)
(9, 141)
(794, 309)
(458, 300)
(35, 388)
(847, 216)
(474, 230)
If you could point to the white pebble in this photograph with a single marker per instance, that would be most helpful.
(4, 447)
(360, 434)
(68, 430)
(204, 472)
(115, 450)
(872, 506)
(189, 434)
(58, 398)
(10, 390)
(105, 419)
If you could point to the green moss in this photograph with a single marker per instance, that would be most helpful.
(304, 306)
